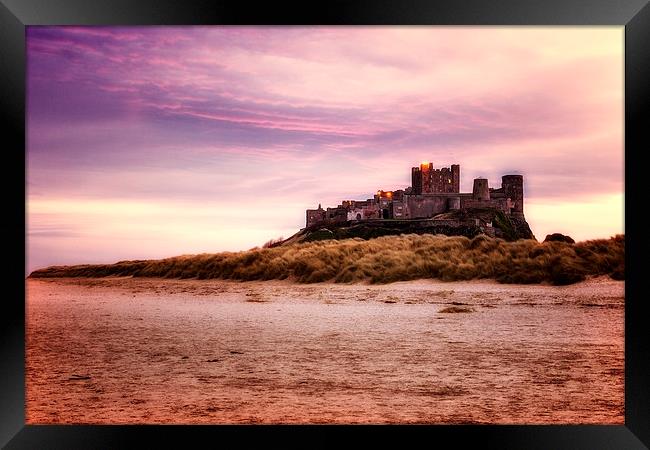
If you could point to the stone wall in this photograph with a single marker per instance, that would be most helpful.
(397, 210)
(501, 204)
(422, 206)
(336, 214)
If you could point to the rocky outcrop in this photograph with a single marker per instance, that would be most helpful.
(467, 222)
(559, 237)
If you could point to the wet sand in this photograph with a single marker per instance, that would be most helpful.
(117, 351)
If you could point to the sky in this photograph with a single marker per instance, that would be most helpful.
(149, 142)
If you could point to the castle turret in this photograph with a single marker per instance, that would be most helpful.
(426, 168)
(481, 191)
(416, 180)
(513, 187)
(455, 177)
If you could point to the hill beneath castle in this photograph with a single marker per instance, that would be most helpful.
(467, 222)
(384, 260)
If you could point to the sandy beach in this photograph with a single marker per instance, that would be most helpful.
(130, 350)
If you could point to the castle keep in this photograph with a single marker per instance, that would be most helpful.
(427, 180)
(432, 192)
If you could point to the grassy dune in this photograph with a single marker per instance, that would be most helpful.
(384, 260)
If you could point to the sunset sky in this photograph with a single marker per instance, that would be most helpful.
(148, 142)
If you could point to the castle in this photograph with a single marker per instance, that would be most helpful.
(432, 192)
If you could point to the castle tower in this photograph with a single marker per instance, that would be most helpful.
(481, 191)
(455, 177)
(315, 215)
(416, 180)
(427, 182)
(513, 187)
(425, 179)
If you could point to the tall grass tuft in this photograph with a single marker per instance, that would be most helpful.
(384, 260)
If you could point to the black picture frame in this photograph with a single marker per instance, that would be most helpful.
(634, 15)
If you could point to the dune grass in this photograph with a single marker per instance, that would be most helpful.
(384, 260)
